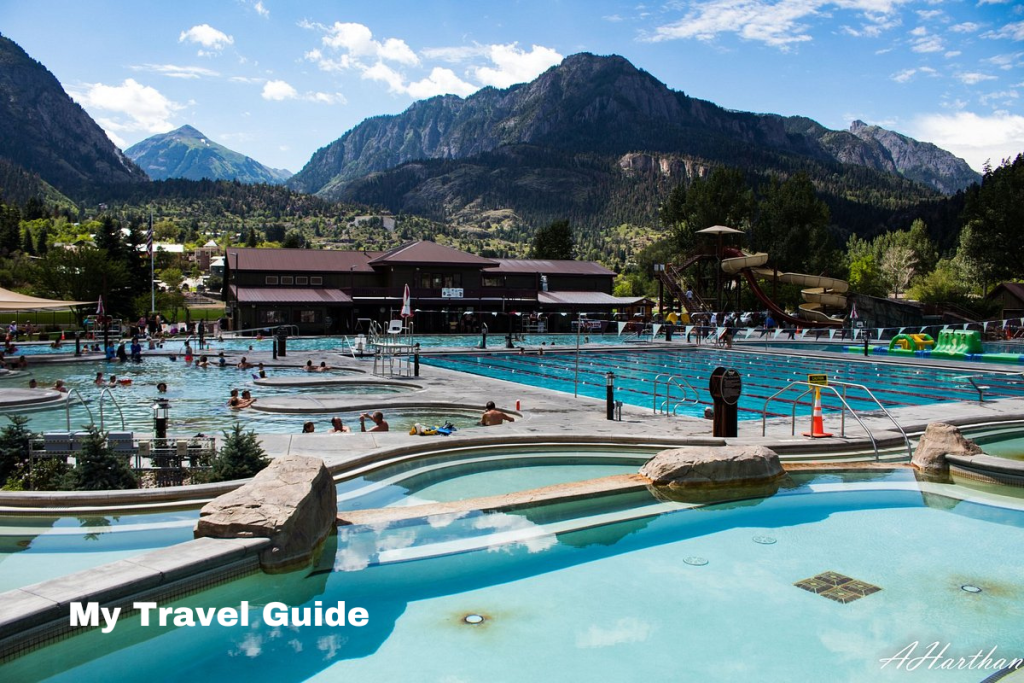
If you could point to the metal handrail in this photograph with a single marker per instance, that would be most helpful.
(669, 381)
(67, 406)
(106, 391)
(979, 388)
(846, 406)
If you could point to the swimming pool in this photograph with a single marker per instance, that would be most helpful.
(762, 375)
(703, 594)
(336, 344)
(198, 397)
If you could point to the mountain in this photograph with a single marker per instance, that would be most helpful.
(187, 153)
(47, 133)
(920, 161)
(599, 122)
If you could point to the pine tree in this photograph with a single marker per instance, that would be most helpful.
(41, 237)
(15, 441)
(554, 242)
(27, 245)
(240, 457)
(98, 468)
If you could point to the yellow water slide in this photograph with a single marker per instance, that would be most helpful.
(818, 292)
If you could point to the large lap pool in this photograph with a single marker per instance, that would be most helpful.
(655, 594)
(762, 375)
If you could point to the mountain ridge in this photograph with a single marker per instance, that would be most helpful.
(49, 134)
(604, 105)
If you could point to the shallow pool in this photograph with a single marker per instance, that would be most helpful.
(198, 397)
(702, 594)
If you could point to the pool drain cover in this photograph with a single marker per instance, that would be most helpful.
(835, 586)
(970, 589)
(696, 561)
(764, 540)
(473, 619)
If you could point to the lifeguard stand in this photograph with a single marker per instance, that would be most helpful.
(393, 349)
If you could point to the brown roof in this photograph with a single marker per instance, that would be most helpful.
(307, 260)
(586, 299)
(289, 295)
(431, 253)
(548, 267)
(1014, 288)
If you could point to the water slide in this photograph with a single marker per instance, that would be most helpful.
(819, 291)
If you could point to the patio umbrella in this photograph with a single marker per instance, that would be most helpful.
(406, 303)
(99, 306)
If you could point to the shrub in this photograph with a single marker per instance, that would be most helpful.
(15, 442)
(98, 468)
(240, 457)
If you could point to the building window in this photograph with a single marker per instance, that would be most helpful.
(492, 281)
(453, 280)
(436, 281)
(316, 280)
(271, 317)
(301, 280)
(287, 280)
(271, 279)
(308, 316)
(424, 282)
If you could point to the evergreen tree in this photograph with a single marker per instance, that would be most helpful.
(554, 242)
(15, 442)
(240, 457)
(41, 238)
(10, 229)
(995, 211)
(792, 226)
(98, 468)
(250, 241)
(27, 245)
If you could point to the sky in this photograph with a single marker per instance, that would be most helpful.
(278, 80)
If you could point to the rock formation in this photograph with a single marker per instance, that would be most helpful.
(941, 439)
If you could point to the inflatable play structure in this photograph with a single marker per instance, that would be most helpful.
(820, 293)
(951, 344)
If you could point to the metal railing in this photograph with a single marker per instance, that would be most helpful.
(670, 381)
(81, 399)
(846, 406)
(105, 391)
(980, 388)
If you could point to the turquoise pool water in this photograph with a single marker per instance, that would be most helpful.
(198, 397)
(1002, 443)
(472, 473)
(336, 344)
(34, 549)
(37, 548)
(762, 374)
(693, 594)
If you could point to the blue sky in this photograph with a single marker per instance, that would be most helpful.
(277, 80)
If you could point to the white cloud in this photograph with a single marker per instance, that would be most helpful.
(327, 98)
(279, 90)
(357, 41)
(907, 74)
(260, 9)
(952, 53)
(515, 66)
(994, 2)
(973, 77)
(1013, 31)
(456, 55)
(925, 15)
(117, 140)
(1006, 62)
(208, 37)
(919, 31)
(928, 44)
(1004, 98)
(780, 24)
(174, 71)
(966, 27)
(970, 136)
(136, 107)
(440, 82)
(384, 73)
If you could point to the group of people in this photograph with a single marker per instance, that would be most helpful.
(323, 367)
(375, 422)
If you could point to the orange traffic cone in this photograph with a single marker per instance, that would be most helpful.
(817, 425)
(62, 335)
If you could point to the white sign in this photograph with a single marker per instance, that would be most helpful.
(451, 293)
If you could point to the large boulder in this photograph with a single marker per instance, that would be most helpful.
(941, 439)
(292, 502)
(706, 466)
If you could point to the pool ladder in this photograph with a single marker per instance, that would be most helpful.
(831, 387)
(671, 403)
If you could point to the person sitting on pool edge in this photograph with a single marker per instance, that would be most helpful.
(380, 425)
(338, 428)
(492, 416)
